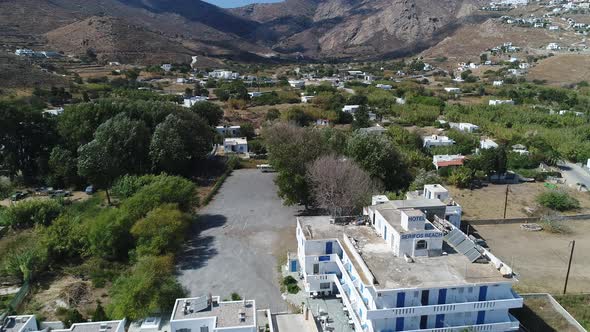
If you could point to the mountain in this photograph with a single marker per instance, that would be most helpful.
(153, 30)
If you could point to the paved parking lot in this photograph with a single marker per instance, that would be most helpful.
(236, 244)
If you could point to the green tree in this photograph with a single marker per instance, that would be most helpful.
(149, 287)
(120, 146)
(290, 149)
(63, 166)
(26, 138)
(29, 213)
(247, 130)
(381, 158)
(361, 118)
(212, 113)
(180, 142)
(99, 314)
(162, 231)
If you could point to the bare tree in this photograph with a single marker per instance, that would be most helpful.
(339, 185)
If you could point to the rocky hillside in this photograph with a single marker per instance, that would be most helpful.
(152, 30)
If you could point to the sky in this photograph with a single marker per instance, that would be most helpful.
(237, 3)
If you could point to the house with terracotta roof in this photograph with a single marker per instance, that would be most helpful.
(447, 160)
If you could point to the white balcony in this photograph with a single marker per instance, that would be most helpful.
(512, 325)
(438, 309)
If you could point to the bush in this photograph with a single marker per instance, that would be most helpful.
(31, 212)
(290, 284)
(235, 297)
(149, 286)
(558, 200)
(128, 185)
(163, 189)
(461, 177)
(161, 231)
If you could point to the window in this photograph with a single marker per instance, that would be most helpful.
(183, 330)
(421, 244)
(325, 285)
(204, 329)
(316, 268)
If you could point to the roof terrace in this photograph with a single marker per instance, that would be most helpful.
(229, 314)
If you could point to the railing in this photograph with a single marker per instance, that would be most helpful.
(516, 302)
(511, 325)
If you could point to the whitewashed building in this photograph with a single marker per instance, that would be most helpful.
(235, 145)
(553, 47)
(453, 210)
(453, 90)
(228, 131)
(496, 102)
(109, 326)
(498, 83)
(22, 323)
(350, 108)
(166, 67)
(307, 99)
(298, 84)
(436, 140)
(487, 143)
(406, 269)
(189, 102)
(222, 74)
(447, 160)
(210, 314)
(464, 126)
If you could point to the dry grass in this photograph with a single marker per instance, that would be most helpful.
(562, 69)
(538, 315)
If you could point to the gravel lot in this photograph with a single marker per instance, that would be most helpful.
(239, 240)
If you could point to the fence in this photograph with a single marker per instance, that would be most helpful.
(523, 220)
(558, 308)
(16, 300)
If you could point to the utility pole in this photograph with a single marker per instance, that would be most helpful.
(506, 200)
(569, 266)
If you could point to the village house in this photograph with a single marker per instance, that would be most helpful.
(298, 84)
(350, 108)
(189, 102)
(447, 160)
(487, 143)
(453, 90)
(496, 102)
(235, 145)
(306, 99)
(222, 74)
(228, 131)
(436, 140)
(520, 149)
(464, 126)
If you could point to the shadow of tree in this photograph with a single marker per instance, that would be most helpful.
(199, 248)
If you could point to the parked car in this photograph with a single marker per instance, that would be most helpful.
(89, 190)
(60, 193)
(17, 196)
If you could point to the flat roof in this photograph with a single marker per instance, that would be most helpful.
(111, 326)
(412, 204)
(15, 323)
(235, 140)
(391, 272)
(227, 313)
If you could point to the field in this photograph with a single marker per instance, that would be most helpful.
(562, 69)
(520, 196)
(541, 258)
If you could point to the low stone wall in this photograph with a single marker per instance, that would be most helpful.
(558, 308)
(524, 220)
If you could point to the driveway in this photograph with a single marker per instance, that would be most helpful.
(238, 241)
(574, 173)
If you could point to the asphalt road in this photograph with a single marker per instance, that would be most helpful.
(235, 244)
(574, 173)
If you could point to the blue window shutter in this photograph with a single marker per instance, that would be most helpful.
(481, 317)
(440, 321)
(399, 324)
(483, 292)
(442, 296)
(401, 299)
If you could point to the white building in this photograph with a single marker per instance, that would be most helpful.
(520, 149)
(255, 94)
(407, 270)
(437, 140)
(228, 131)
(22, 323)
(384, 86)
(453, 90)
(54, 111)
(235, 145)
(222, 74)
(496, 102)
(350, 108)
(188, 102)
(453, 210)
(524, 65)
(498, 83)
(297, 84)
(447, 160)
(487, 143)
(110, 326)
(166, 67)
(24, 52)
(464, 126)
(306, 99)
(553, 47)
(209, 314)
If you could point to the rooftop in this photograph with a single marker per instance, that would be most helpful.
(110, 326)
(235, 141)
(393, 272)
(15, 323)
(227, 313)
